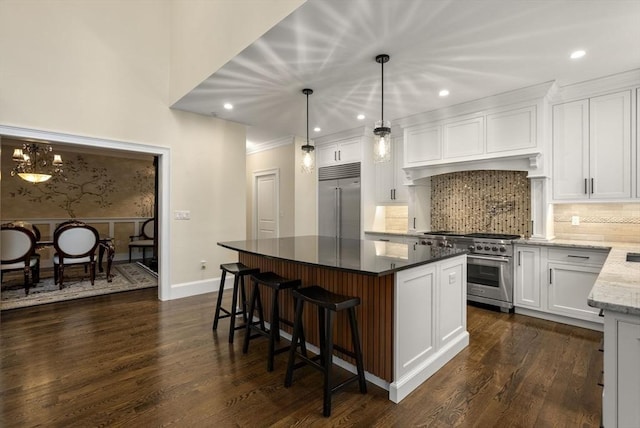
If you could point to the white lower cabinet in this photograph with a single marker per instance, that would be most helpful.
(555, 282)
(621, 397)
(569, 286)
(527, 278)
(430, 321)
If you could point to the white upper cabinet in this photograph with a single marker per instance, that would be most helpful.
(511, 130)
(422, 144)
(390, 179)
(464, 138)
(340, 152)
(592, 148)
(484, 135)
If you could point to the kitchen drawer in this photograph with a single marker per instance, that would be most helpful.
(578, 256)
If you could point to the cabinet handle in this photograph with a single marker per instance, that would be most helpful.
(592, 186)
(391, 194)
(383, 240)
(519, 258)
(550, 276)
(394, 194)
(335, 157)
(339, 155)
(578, 257)
(585, 187)
(414, 222)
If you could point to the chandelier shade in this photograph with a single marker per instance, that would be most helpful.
(382, 130)
(36, 163)
(308, 160)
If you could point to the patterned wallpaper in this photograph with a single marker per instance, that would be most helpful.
(481, 201)
(92, 186)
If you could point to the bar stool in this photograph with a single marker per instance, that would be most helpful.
(276, 283)
(239, 271)
(328, 304)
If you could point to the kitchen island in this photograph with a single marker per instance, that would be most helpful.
(412, 315)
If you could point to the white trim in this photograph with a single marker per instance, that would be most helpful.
(284, 141)
(254, 220)
(598, 86)
(559, 318)
(163, 196)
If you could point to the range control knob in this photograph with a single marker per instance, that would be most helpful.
(503, 250)
(429, 243)
(494, 248)
(487, 248)
(449, 245)
(440, 244)
(479, 247)
(471, 248)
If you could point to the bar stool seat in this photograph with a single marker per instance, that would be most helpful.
(276, 283)
(328, 305)
(239, 271)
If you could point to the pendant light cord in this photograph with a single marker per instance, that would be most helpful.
(307, 118)
(382, 92)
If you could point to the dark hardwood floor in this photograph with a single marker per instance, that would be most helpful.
(130, 360)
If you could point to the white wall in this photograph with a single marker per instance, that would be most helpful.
(212, 32)
(101, 69)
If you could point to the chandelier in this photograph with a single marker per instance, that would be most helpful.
(382, 131)
(307, 149)
(36, 163)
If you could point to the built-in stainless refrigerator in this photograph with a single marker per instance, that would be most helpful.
(339, 201)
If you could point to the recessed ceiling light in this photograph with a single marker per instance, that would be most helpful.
(361, 117)
(443, 93)
(228, 106)
(577, 54)
(317, 129)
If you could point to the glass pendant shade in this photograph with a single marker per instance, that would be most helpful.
(308, 161)
(382, 130)
(382, 141)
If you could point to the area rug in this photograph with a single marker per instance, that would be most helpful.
(130, 276)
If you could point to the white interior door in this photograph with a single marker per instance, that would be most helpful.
(266, 205)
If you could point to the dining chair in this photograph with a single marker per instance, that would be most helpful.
(17, 249)
(75, 243)
(144, 240)
(36, 269)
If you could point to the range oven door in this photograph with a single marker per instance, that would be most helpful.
(490, 280)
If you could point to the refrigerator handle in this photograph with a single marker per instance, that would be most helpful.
(339, 212)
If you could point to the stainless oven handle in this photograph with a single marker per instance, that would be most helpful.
(490, 258)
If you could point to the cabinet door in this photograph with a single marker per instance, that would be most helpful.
(419, 207)
(422, 145)
(414, 320)
(527, 279)
(570, 150)
(464, 138)
(610, 146)
(569, 287)
(384, 181)
(327, 154)
(511, 130)
(628, 388)
(452, 295)
(350, 151)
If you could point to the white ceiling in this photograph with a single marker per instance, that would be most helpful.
(473, 48)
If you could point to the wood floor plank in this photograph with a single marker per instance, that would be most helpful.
(131, 360)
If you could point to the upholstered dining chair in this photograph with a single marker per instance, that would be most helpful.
(17, 249)
(75, 243)
(36, 269)
(146, 238)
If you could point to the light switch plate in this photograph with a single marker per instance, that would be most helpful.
(575, 220)
(182, 215)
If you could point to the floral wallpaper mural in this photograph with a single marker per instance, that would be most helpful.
(91, 186)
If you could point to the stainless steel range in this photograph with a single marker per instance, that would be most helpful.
(489, 264)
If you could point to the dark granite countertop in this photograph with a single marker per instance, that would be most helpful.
(352, 255)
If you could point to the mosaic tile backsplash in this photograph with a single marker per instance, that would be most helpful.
(481, 201)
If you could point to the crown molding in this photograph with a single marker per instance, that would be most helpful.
(598, 86)
(289, 139)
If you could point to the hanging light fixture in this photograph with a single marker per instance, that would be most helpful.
(307, 149)
(36, 163)
(382, 130)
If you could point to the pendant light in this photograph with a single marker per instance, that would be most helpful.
(307, 149)
(36, 163)
(382, 130)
